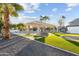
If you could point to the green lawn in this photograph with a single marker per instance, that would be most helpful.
(61, 43)
(63, 34)
(36, 37)
(55, 40)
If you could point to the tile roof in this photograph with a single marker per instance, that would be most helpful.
(74, 22)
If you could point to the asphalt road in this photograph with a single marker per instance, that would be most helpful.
(20, 46)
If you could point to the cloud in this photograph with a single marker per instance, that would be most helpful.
(30, 7)
(46, 4)
(70, 6)
(22, 19)
(68, 9)
(54, 9)
(51, 15)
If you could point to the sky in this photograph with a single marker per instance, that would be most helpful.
(32, 12)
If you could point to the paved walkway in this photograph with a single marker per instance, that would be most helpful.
(20, 46)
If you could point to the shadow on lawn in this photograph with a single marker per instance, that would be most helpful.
(75, 43)
(39, 38)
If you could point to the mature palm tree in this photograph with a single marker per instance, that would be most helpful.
(1, 24)
(6, 10)
(61, 21)
(41, 18)
(44, 18)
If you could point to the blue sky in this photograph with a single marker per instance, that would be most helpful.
(32, 12)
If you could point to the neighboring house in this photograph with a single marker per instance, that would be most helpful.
(37, 26)
(73, 26)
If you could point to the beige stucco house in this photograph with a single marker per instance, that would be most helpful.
(37, 26)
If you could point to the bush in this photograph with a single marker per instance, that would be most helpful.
(39, 38)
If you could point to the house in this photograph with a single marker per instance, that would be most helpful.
(73, 26)
(37, 26)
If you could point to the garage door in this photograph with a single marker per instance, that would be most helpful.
(73, 29)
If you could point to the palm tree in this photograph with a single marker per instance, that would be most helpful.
(44, 18)
(61, 21)
(41, 18)
(1, 24)
(6, 10)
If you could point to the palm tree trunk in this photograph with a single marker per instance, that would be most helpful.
(5, 29)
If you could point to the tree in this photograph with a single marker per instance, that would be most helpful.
(6, 10)
(20, 26)
(1, 24)
(61, 21)
(44, 18)
(13, 26)
(41, 18)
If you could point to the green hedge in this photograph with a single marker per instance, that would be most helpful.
(39, 38)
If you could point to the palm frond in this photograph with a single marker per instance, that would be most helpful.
(14, 14)
(11, 8)
(18, 7)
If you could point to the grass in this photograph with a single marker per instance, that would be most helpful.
(63, 34)
(36, 37)
(61, 43)
(55, 40)
(74, 42)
